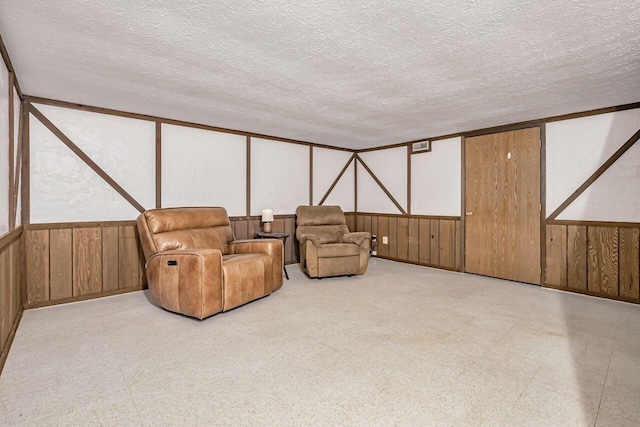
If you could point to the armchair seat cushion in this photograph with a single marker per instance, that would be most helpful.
(335, 250)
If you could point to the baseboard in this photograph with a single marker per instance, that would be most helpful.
(12, 334)
(82, 298)
(592, 294)
(422, 264)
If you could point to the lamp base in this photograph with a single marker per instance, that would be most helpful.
(267, 227)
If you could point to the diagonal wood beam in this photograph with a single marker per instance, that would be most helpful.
(602, 169)
(344, 169)
(73, 147)
(375, 178)
(15, 180)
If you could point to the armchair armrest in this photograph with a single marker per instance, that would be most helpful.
(358, 237)
(187, 281)
(310, 237)
(272, 247)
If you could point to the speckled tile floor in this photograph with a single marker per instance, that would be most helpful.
(402, 345)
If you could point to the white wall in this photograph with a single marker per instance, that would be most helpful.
(64, 188)
(327, 164)
(390, 167)
(436, 187)
(203, 168)
(4, 150)
(279, 176)
(576, 148)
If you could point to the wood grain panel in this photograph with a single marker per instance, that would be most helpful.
(37, 252)
(602, 259)
(366, 223)
(61, 273)
(383, 230)
(393, 237)
(576, 257)
(403, 238)
(414, 239)
(87, 261)
(110, 259)
(424, 241)
(435, 241)
(359, 223)
(290, 247)
(128, 257)
(629, 263)
(458, 246)
(556, 273)
(10, 292)
(446, 243)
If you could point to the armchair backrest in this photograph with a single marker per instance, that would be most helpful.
(184, 228)
(325, 222)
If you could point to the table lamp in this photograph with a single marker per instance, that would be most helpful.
(267, 218)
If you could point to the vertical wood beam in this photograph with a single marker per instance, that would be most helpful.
(463, 201)
(311, 175)
(355, 184)
(25, 172)
(12, 190)
(409, 148)
(543, 202)
(248, 177)
(158, 165)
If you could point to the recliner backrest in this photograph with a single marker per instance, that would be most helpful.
(326, 222)
(185, 228)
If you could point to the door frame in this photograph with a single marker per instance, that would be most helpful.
(543, 189)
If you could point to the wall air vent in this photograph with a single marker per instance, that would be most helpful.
(419, 147)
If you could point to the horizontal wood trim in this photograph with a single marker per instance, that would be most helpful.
(594, 223)
(513, 126)
(7, 346)
(592, 294)
(254, 217)
(439, 267)
(410, 215)
(10, 237)
(88, 224)
(82, 298)
(65, 104)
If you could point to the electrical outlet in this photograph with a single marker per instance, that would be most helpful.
(374, 253)
(385, 240)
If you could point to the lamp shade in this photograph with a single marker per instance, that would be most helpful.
(267, 215)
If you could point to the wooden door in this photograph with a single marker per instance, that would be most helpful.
(502, 200)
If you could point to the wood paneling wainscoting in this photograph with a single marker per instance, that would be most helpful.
(594, 258)
(11, 262)
(433, 241)
(74, 261)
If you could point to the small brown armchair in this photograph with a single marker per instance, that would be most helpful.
(327, 248)
(196, 267)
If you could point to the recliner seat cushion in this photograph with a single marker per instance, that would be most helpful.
(334, 250)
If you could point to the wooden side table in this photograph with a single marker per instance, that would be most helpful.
(279, 236)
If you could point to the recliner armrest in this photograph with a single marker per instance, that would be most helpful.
(187, 281)
(358, 237)
(272, 247)
(310, 237)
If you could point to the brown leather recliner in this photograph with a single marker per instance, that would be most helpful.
(195, 267)
(327, 248)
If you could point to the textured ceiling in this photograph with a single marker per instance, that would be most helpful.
(356, 74)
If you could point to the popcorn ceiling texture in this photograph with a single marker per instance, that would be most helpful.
(356, 74)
